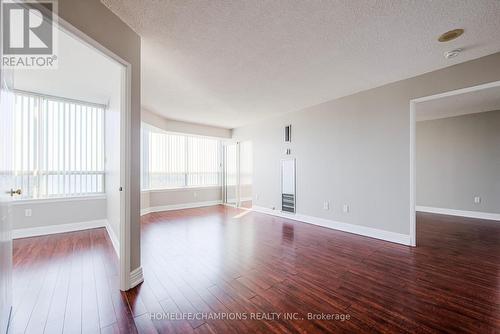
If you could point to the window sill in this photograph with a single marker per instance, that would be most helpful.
(23, 201)
(159, 190)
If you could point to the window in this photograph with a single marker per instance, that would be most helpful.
(172, 160)
(58, 147)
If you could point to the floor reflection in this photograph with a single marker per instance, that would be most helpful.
(287, 233)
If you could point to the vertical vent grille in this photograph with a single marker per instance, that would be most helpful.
(288, 203)
(288, 134)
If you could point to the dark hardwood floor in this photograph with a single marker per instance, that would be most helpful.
(223, 262)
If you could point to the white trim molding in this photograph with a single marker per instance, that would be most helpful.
(178, 206)
(398, 238)
(136, 277)
(460, 213)
(185, 188)
(114, 238)
(60, 228)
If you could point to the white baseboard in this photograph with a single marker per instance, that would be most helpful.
(136, 277)
(345, 227)
(178, 206)
(461, 213)
(114, 238)
(60, 228)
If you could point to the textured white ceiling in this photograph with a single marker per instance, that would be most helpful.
(462, 104)
(82, 73)
(230, 63)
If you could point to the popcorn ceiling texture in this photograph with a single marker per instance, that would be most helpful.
(231, 63)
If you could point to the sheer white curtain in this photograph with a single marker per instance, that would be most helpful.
(58, 146)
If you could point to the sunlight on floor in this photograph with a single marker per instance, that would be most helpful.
(242, 214)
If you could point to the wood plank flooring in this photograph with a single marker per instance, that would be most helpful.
(205, 267)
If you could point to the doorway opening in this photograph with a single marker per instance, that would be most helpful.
(237, 174)
(454, 154)
(66, 163)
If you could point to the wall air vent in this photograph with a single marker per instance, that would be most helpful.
(288, 133)
(288, 202)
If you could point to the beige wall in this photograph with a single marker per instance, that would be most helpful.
(95, 20)
(184, 127)
(176, 198)
(56, 212)
(354, 150)
(458, 158)
(145, 203)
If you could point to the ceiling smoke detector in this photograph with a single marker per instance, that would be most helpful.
(452, 53)
(450, 35)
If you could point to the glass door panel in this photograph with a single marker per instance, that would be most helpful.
(231, 181)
